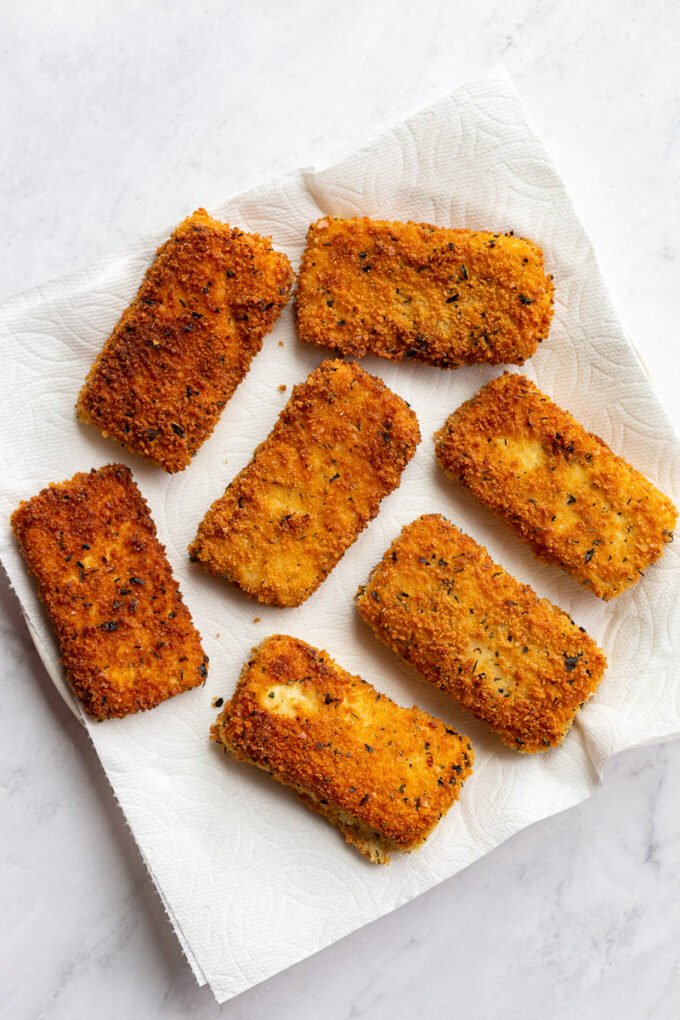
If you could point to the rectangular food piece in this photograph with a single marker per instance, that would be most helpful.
(576, 503)
(127, 639)
(185, 343)
(339, 446)
(384, 775)
(513, 659)
(411, 290)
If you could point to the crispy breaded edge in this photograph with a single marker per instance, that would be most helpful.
(357, 338)
(99, 698)
(457, 436)
(361, 834)
(376, 848)
(180, 426)
(511, 727)
(287, 425)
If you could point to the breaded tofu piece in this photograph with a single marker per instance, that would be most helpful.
(338, 448)
(127, 639)
(383, 774)
(561, 488)
(185, 343)
(516, 661)
(411, 290)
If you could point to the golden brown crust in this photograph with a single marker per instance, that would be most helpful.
(561, 488)
(514, 660)
(411, 290)
(185, 343)
(383, 774)
(338, 448)
(127, 639)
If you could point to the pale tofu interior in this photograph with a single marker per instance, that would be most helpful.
(290, 700)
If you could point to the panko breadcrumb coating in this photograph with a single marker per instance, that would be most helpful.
(411, 290)
(338, 448)
(383, 774)
(513, 659)
(185, 343)
(127, 639)
(576, 503)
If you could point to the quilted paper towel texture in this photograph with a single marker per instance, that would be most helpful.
(252, 881)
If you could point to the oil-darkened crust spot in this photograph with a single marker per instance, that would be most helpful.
(127, 639)
(187, 340)
(412, 290)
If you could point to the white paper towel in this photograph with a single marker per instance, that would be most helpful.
(251, 880)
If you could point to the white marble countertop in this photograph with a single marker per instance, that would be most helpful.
(118, 121)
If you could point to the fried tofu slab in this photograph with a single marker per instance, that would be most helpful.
(338, 448)
(127, 639)
(187, 340)
(411, 290)
(577, 504)
(384, 775)
(516, 661)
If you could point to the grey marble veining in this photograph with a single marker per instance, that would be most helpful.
(119, 121)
